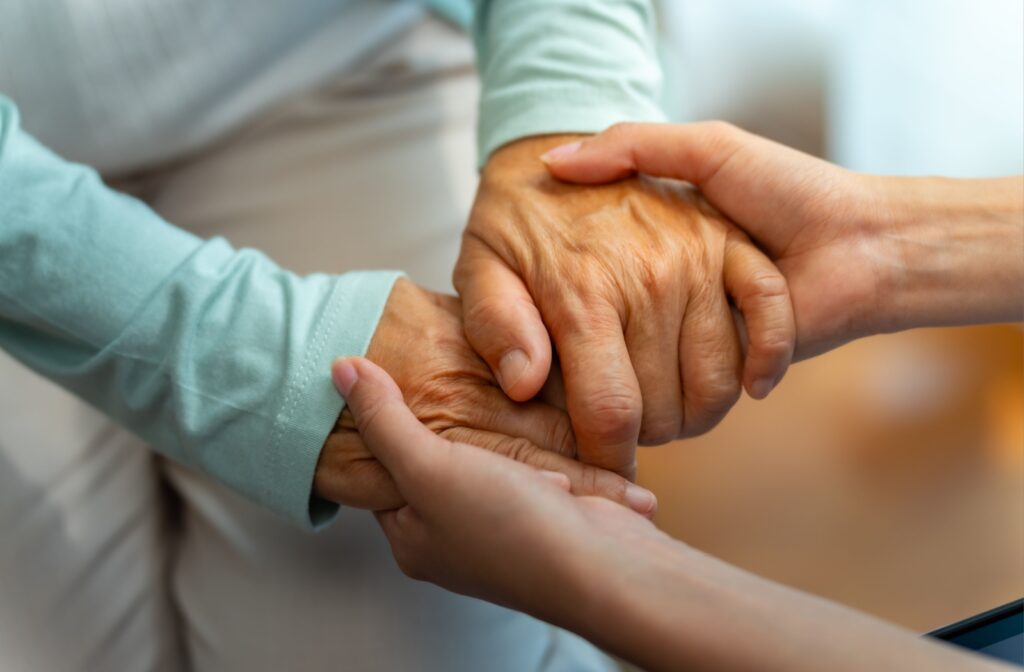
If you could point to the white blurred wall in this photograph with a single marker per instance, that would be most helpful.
(889, 86)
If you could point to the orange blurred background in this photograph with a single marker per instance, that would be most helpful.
(887, 475)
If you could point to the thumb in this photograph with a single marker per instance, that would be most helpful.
(388, 428)
(501, 321)
(690, 152)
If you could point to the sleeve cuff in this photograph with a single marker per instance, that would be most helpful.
(506, 118)
(311, 403)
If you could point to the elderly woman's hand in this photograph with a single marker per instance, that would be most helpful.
(420, 343)
(632, 282)
(862, 254)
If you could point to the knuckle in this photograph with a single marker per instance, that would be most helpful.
(621, 129)
(561, 439)
(774, 343)
(771, 285)
(520, 450)
(660, 429)
(614, 416)
(715, 394)
(368, 412)
(659, 275)
(767, 288)
(588, 481)
(486, 312)
(592, 317)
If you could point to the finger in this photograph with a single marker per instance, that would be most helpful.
(711, 362)
(558, 479)
(761, 294)
(348, 474)
(553, 392)
(691, 152)
(745, 176)
(655, 347)
(545, 425)
(501, 321)
(601, 388)
(389, 429)
(407, 535)
(388, 521)
(584, 479)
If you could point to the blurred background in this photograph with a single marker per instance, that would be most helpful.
(888, 475)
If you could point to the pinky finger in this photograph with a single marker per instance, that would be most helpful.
(760, 292)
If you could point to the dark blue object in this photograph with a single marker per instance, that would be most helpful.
(998, 633)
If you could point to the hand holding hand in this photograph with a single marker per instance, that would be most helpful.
(421, 344)
(632, 280)
(862, 254)
(482, 525)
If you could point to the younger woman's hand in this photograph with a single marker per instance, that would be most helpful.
(819, 223)
(481, 524)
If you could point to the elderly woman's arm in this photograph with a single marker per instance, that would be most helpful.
(216, 357)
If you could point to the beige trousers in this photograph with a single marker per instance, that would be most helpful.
(102, 570)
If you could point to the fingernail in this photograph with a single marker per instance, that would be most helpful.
(512, 367)
(344, 375)
(641, 499)
(560, 151)
(761, 387)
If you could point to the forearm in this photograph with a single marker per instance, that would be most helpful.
(954, 252)
(683, 609)
(216, 357)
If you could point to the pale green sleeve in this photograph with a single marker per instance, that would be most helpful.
(215, 356)
(561, 66)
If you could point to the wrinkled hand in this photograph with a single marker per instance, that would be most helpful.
(552, 548)
(633, 282)
(818, 222)
(420, 343)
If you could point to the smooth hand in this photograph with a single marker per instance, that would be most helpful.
(631, 283)
(421, 344)
(482, 525)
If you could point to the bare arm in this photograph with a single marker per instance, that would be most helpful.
(482, 525)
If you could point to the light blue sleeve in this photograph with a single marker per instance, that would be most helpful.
(215, 356)
(560, 66)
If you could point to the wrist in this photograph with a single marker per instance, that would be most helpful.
(950, 251)
(628, 598)
(524, 154)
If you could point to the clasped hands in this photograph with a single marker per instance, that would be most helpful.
(592, 318)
